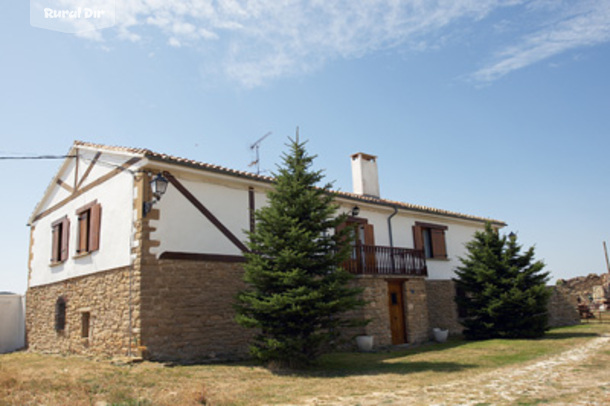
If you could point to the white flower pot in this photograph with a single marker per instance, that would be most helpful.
(440, 335)
(365, 343)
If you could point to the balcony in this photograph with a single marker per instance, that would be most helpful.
(379, 260)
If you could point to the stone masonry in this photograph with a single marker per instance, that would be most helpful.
(187, 311)
(416, 307)
(376, 310)
(442, 309)
(104, 295)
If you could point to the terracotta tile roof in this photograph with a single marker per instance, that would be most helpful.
(155, 156)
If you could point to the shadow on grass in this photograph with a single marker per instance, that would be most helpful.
(397, 361)
(559, 335)
(394, 360)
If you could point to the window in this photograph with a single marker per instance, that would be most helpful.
(60, 314)
(89, 217)
(85, 320)
(61, 237)
(431, 239)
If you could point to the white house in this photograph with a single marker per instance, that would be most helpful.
(112, 273)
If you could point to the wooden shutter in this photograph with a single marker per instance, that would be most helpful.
(95, 218)
(83, 232)
(439, 249)
(65, 239)
(418, 241)
(55, 255)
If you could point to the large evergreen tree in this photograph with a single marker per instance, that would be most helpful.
(504, 292)
(297, 291)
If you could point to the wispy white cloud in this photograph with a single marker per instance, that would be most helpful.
(254, 41)
(585, 24)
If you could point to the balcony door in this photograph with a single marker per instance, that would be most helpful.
(362, 258)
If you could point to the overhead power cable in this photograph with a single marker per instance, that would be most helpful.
(39, 157)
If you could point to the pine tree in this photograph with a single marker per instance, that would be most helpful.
(505, 294)
(297, 291)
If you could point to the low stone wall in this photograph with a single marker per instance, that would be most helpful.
(104, 295)
(562, 307)
(187, 311)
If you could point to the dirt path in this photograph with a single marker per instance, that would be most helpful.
(580, 376)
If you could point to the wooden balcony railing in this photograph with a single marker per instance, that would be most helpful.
(379, 260)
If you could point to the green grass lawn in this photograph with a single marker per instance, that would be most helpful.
(28, 378)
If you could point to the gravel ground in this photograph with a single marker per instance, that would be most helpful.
(580, 376)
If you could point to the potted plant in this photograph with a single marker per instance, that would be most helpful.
(440, 335)
(365, 343)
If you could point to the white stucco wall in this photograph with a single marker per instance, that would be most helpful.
(458, 233)
(182, 228)
(116, 199)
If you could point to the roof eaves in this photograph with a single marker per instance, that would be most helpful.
(165, 158)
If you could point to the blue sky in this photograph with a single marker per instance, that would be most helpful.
(493, 108)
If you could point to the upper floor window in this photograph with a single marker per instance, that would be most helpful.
(431, 239)
(89, 220)
(61, 236)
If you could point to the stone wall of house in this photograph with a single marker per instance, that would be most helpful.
(416, 307)
(442, 309)
(376, 310)
(104, 295)
(375, 294)
(187, 311)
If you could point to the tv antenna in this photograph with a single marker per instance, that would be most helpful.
(255, 147)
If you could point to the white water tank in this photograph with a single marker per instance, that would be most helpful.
(12, 322)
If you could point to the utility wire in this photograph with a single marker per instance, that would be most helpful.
(39, 157)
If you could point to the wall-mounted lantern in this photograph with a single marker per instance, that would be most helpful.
(354, 211)
(158, 186)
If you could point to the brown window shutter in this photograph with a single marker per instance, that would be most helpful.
(83, 232)
(439, 249)
(95, 217)
(65, 239)
(56, 240)
(418, 241)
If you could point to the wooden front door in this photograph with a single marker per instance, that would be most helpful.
(397, 314)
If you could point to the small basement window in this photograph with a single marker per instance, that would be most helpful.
(85, 324)
(60, 314)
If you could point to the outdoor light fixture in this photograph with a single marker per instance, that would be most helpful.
(158, 186)
(355, 211)
(512, 236)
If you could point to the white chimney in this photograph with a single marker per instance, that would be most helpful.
(365, 180)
